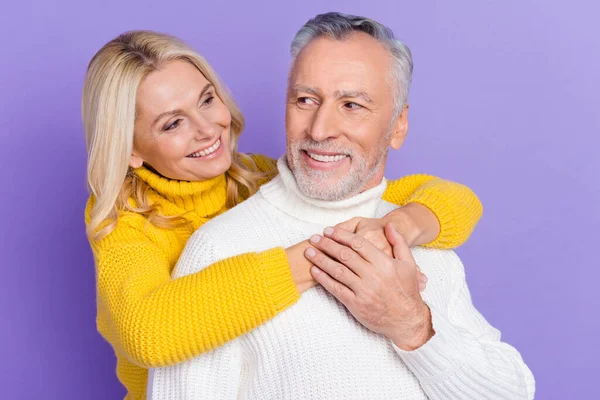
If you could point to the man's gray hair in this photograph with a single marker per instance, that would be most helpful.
(339, 26)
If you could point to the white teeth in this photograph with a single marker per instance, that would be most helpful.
(208, 151)
(322, 158)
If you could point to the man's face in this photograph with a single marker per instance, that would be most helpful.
(340, 116)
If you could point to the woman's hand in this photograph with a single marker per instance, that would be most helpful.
(371, 229)
(415, 222)
(300, 266)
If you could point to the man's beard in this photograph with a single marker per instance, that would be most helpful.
(316, 184)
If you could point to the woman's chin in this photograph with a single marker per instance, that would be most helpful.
(208, 170)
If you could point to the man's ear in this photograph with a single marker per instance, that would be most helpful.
(400, 129)
(135, 161)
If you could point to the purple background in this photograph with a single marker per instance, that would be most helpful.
(505, 100)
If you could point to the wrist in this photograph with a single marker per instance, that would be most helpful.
(403, 220)
(300, 266)
(418, 334)
(417, 223)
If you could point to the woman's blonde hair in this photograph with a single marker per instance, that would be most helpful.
(109, 113)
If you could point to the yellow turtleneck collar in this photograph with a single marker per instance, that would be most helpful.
(205, 198)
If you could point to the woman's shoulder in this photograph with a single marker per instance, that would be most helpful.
(128, 217)
(129, 224)
(264, 163)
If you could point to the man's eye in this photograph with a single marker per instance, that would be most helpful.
(172, 125)
(306, 101)
(352, 106)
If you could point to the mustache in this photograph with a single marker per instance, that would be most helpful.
(326, 146)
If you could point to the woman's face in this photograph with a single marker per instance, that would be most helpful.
(182, 129)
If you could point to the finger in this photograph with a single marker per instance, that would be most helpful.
(338, 290)
(356, 242)
(334, 269)
(349, 225)
(388, 250)
(422, 281)
(399, 245)
(378, 239)
(340, 253)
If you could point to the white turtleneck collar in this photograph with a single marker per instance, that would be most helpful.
(283, 193)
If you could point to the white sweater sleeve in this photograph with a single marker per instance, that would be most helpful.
(465, 358)
(213, 375)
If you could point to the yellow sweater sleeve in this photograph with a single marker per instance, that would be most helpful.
(155, 321)
(456, 207)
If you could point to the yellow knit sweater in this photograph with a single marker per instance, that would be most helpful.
(152, 320)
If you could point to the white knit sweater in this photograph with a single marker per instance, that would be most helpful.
(316, 349)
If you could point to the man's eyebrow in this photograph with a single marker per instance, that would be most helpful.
(173, 112)
(306, 89)
(341, 94)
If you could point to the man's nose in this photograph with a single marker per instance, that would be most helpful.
(325, 124)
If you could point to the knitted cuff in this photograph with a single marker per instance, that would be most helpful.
(278, 278)
(441, 356)
(443, 212)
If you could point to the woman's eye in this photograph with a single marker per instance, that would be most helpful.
(172, 125)
(208, 100)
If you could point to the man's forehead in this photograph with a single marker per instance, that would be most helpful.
(341, 68)
(335, 64)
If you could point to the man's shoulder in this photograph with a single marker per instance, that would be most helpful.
(384, 208)
(441, 256)
(248, 219)
(443, 268)
(236, 217)
(227, 234)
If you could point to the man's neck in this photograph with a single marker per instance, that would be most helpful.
(284, 194)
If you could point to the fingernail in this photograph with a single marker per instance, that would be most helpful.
(315, 270)
(328, 231)
(310, 252)
(315, 238)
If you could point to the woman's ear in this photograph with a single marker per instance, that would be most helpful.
(135, 161)
(400, 129)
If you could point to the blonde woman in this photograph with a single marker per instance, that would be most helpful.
(162, 134)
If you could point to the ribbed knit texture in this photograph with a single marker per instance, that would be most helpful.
(152, 320)
(315, 349)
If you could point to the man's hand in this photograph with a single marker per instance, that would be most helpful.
(380, 291)
(373, 229)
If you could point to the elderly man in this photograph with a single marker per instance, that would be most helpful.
(366, 332)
